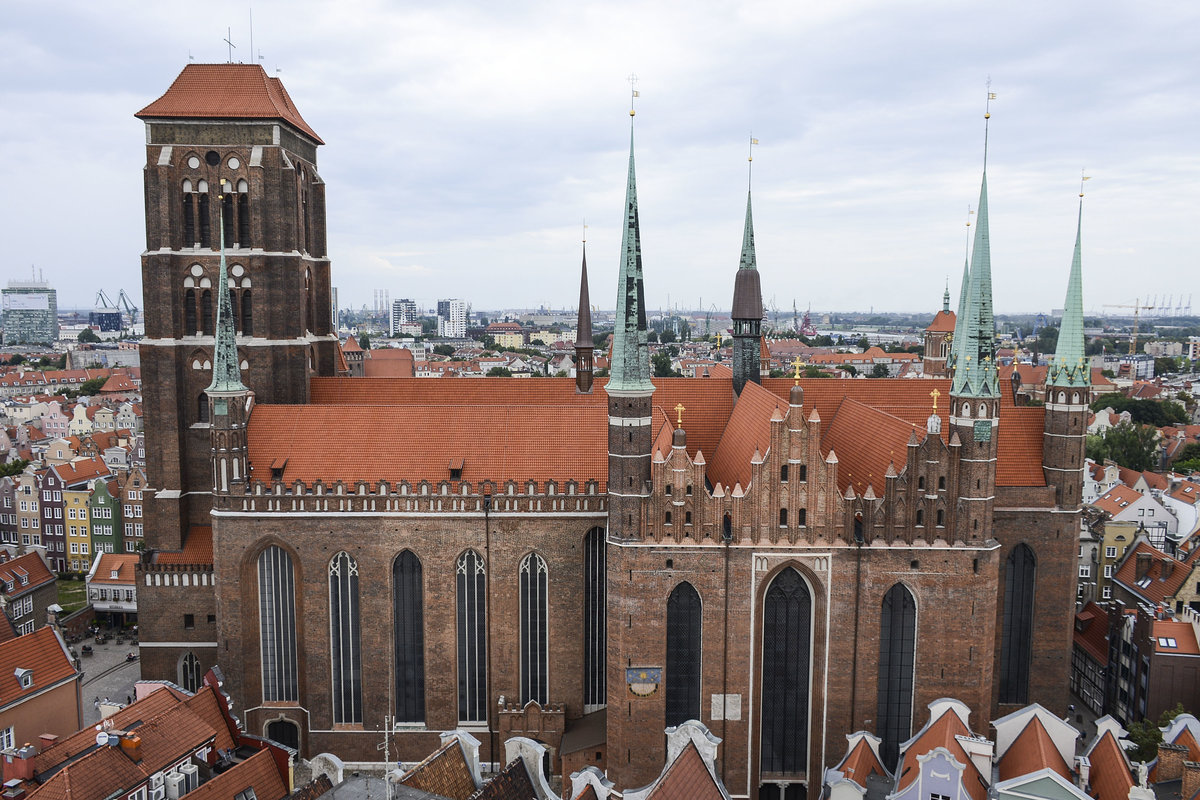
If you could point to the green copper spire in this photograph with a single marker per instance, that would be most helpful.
(748, 260)
(1070, 366)
(946, 297)
(975, 329)
(227, 373)
(630, 369)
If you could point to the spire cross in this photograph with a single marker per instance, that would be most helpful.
(796, 365)
(750, 161)
(679, 409)
(935, 394)
(987, 115)
(633, 92)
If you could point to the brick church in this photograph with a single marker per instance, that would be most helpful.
(586, 562)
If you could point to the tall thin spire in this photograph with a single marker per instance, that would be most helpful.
(630, 369)
(975, 372)
(1070, 366)
(946, 296)
(227, 373)
(747, 306)
(583, 330)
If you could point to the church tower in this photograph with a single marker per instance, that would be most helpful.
(1068, 392)
(583, 333)
(227, 124)
(974, 387)
(747, 311)
(629, 387)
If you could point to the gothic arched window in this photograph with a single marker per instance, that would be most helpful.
(190, 673)
(206, 312)
(472, 637)
(205, 217)
(345, 654)
(1020, 574)
(243, 213)
(189, 215)
(683, 655)
(247, 313)
(897, 657)
(277, 624)
(189, 312)
(595, 565)
(534, 638)
(409, 619)
(786, 650)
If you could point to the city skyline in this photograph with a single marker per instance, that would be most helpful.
(467, 145)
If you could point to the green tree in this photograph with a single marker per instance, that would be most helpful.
(863, 343)
(88, 336)
(1047, 340)
(652, 336)
(364, 342)
(14, 467)
(879, 371)
(661, 361)
(1146, 412)
(1189, 452)
(850, 370)
(778, 373)
(1146, 735)
(1131, 446)
(813, 371)
(443, 349)
(499, 372)
(537, 342)
(1162, 366)
(667, 336)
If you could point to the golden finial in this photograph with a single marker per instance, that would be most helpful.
(1082, 178)
(935, 394)
(796, 365)
(585, 231)
(633, 92)
(679, 409)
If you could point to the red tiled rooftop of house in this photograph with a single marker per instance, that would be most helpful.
(1091, 631)
(1163, 577)
(1175, 638)
(860, 762)
(25, 573)
(121, 564)
(41, 652)
(512, 783)
(227, 91)
(1110, 777)
(942, 323)
(1117, 499)
(258, 772)
(444, 773)
(196, 550)
(686, 778)
(1031, 751)
(942, 732)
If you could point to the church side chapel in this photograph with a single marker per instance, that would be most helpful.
(585, 562)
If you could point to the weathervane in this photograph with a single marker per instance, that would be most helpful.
(750, 160)
(633, 92)
(229, 41)
(1082, 178)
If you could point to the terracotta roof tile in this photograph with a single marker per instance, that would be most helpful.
(860, 762)
(1031, 751)
(42, 653)
(1091, 632)
(1109, 777)
(196, 550)
(749, 429)
(26, 573)
(152, 705)
(686, 778)
(1175, 638)
(227, 91)
(443, 773)
(512, 783)
(942, 732)
(1153, 587)
(1117, 499)
(258, 772)
(942, 323)
(123, 564)
(864, 459)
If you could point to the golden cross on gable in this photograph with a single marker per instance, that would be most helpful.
(797, 364)
(679, 409)
(935, 394)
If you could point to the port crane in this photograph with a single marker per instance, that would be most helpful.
(1137, 307)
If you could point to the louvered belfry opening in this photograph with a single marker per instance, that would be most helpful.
(787, 647)
(409, 619)
(683, 655)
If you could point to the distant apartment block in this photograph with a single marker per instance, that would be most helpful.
(452, 318)
(30, 312)
(404, 312)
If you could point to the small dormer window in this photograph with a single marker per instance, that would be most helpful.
(114, 574)
(456, 469)
(24, 677)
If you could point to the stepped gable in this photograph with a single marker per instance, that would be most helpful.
(227, 91)
(1110, 776)
(258, 772)
(866, 441)
(1031, 751)
(942, 732)
(444, 773)
(197, 550)
(748, 429)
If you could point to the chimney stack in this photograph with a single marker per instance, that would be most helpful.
(1144, 560)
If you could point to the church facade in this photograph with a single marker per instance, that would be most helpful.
(786, 561)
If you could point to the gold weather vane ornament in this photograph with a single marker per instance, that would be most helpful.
(935, 394)
(679, 409)
(796, 365)
(1082, 178)
(633, 92)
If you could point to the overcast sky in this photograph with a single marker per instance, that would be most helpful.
(466, 142)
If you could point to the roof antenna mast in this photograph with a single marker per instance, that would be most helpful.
(251, 7)
(229, 41)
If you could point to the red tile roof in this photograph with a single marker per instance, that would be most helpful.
(351, 345)
(151, 706)
(123, 564)
(196, 550)
(227, 91)
(1091, 632)
(1117, 499)
(942, 732)
(748, 430)
(444, 773)
(864, 460)
(1109, 777)
(258, 772)
(1031, 751)
(40, 651)
(26, 573)
(686, 778)
(512, 783)
(1152, 587)
(942, 323)
(860, 762)
(1181, 633)
(81, 471)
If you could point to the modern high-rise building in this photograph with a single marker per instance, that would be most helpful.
(30, 312)
(452, 318)
(404, 312)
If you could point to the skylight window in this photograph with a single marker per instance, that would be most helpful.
(1144, 582)
(1167, 641)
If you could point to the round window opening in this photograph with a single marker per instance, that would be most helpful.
(212, 158)
(194, 162)
(233, 162)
